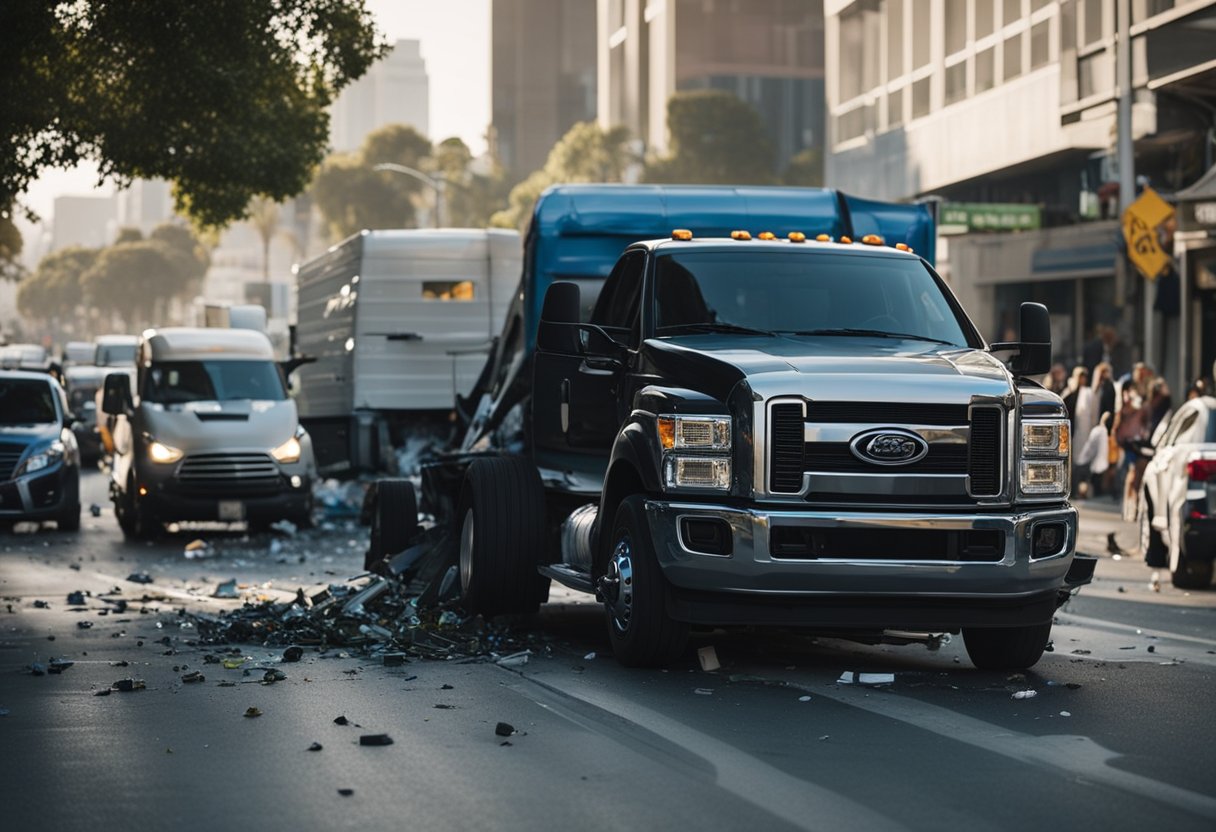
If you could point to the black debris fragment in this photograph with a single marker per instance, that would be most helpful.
(139, 578)
(273, 675)
(346, 792)
(36, 669)
(394, 659)
(76, 599)
(443, 707)
(228, 589)
(41, 605)
(59, 665)
(293, 654)
(504, 729)
(252, 712)
(375, 739)
(193, 677)
(102, 692)
(84, 625)
(341, 720)
(128, 685)
(445, 686)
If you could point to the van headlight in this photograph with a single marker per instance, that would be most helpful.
(708, 466)
(289, 451)
(163, 454)
(1046, 447)
(45, 458)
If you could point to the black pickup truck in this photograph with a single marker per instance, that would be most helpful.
(793, 432)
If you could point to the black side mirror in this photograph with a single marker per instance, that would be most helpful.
(1033, 351)
(558, 330)
(116, 399)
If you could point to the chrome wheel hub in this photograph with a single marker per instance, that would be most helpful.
(617, 586)
(466, 551)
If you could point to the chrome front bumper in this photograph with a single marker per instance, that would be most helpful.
(750, 571)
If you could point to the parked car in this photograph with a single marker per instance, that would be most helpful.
(78, 353)
(25, 357)
(83, 384)
(39, 460)
(1178, 496)
(116, 351)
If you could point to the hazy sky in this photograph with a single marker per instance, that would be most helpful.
(455, 36)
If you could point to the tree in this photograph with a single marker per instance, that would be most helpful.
(352, 195)
(474, 189)
(128, 235)
(54, 289)
(226, 99)
(716, 138)
(132, 279)
(805, 169)
(186, 254)
(10, 249)
(587, 153)
(264, 217)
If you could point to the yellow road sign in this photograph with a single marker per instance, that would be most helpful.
(1140, 222)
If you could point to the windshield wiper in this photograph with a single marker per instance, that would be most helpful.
(720, 326)
(876, 333)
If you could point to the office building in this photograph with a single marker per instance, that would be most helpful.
(82, 221)
(394, 91)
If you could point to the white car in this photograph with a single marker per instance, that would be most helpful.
(1178, 496)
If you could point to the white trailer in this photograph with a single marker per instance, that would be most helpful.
(400, 323)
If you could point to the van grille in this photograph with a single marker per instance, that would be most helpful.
(235, 474)
(786, 432)
(984, 464)
(10, 453)
(837, 458)
(887, 413)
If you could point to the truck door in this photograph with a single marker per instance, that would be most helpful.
(576, 397)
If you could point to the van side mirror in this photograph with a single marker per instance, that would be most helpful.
(1033, 350)
(558, 330)
(116, 399)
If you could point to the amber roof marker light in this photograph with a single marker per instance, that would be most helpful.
(845, 241)
(681, 234)
(740, 235)
(766, 235)
(824, 238)
(873, 240)
(797, 237)
(904, 247)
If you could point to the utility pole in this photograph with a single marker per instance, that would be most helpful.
(1125, 153)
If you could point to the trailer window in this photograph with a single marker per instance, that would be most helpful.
(448, 290)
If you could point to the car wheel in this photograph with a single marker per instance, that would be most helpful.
(501, 518)
(69, 521)
(134, 518)
(394, 519)
(635, 595)
(1006, 648)
(1155, 553)
(1191, 573)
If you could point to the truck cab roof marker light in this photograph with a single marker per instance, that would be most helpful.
(845, 241)
(904, 247)
(797, 237)
(824, 238)
(681, 234)
(740, 235)
(873, 240)
(766, 235)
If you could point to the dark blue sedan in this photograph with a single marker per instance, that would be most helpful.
(39, 457)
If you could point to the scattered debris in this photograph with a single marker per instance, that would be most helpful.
(273, 675)
(515, 659)
(504, 729)
(1080, 652)
(196, 549)
(316, 746)
(94, 509)
(252, 712)
(825, 737)
(1154, 582)
(285, 527)
(228, 589)
(57, 666)
(708, 657)
(704, 691)
(394, 659)
(139, 578)
(128, 685)
(293, 654)
(102, 692)
(375, 739)
(1065, 713)
(804, 699)
(84, 625)
(442, 707)
(1024, 694)
(589, 657)
(76, 599)
(852, 677)
(341, 720)
(346, 792)
(1151, 648)
(194, 676)
(41, 605)
(36, 669)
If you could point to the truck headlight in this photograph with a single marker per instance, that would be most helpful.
(289, 451)
(1045, 455)
(694, 433)
(44, 459)
(696, 472)
(164, 454)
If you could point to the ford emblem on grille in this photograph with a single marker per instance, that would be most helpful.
(889, 446)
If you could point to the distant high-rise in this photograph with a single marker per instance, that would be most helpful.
(396, 90)
(768, 52)
(542, 76)
(144, 205)
(82, 221)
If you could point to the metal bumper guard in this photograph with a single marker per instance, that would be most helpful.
(751, 587)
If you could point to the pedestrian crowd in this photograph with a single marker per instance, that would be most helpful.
(1116, 422)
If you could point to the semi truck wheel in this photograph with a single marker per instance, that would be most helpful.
(634, 591)
(501, 526)
(394, 518)
(1006, 648)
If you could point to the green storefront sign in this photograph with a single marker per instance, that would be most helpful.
(989, 216)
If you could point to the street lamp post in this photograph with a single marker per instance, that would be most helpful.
(437, 183)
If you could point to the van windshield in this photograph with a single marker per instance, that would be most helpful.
(115, 355)
(26, 402)
(178, 382)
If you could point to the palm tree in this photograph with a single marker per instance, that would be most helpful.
(264, 217)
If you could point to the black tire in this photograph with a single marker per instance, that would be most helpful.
(635, 597)
(500, 523)
(1006, 648)
(1191, 573)
(69, 521)
(394, 519)
(136, 522)
(1156, 554)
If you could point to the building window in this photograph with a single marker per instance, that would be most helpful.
(1035, 5)
(447, 290)
(1092, 32)
(956, 25)
(920, 98)
(1095, 74)
(895, 108)
(852, 58)
(1013, 57)
(956, 82)
(1040, 44)
(854, 123)
(985, 69)
(920, 37)
(1144, 9)
(983, 18)
(1013, 11)
(895, 38)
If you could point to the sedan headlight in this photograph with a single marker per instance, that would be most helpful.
(1045, 454)
(289, 451)
(708, 437)
(45, 458)
(163, 454)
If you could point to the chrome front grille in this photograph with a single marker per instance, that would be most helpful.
(233, 474)
(10, 453)
(812, 453)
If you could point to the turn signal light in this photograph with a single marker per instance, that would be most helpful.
(681, 234)
(740, 235)
(872, 240)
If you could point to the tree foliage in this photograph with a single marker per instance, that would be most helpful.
(473, 191)
(10, 249)
(54, 289)
(715, 138)
(805, 169)
(226, 99)
(587, 153)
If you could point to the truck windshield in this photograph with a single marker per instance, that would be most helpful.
(26, 402)
(178, 382)
(115, 355)
(802, 294)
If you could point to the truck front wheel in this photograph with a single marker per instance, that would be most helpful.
(1006, 648)
(501, 537)
(634, 590)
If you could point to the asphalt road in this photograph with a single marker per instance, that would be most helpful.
(1119, 735)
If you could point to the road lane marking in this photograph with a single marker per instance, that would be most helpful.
(1128, 629)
